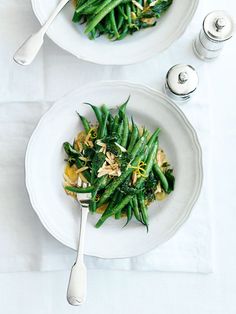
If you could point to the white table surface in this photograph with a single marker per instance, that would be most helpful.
(152, 292)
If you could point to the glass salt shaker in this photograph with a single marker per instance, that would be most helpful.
(217, 28)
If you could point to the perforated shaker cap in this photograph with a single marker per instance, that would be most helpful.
(182, 79)
(218, 26)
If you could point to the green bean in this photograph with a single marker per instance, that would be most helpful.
(153, 138)
(133, 8)
(96, 111)
(143, 209)
(92, 204)
(79, 3)
(70, 150)
(103, 126)
(118, 215)
(92, 34)
(129, 213)
(136, 149)
(114, 184)
(134, 137)
(99, 184)
(85, 173)
(136, 208)
(89, 9)
(102, 6)
(160, 175)
(149, 164)
(85, 123)
(107, 24)
(140, 2)
(102, 182)
(112, 203)
(117, 191)
(128, 13)
(124, 33)
(120, 22)
(110, 123)
(122, 12)
(91, 24)
(113, 24)
(110, 119)
(76, 18)
(120, 132)
(95, 14)
(125, 132)
(127, 198)
(122, 108)
(83, 6)
(105, 110)
(125, 201)
(101, 29)
(118, 199)
(115, 124)
(74, 189)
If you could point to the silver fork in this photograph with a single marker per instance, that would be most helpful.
(30, 48)
(77, 287)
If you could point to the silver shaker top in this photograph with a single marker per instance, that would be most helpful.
(182, 79)
(218, 26)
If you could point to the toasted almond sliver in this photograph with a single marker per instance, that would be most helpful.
(121, 148)
(149, 21)
(103, 149)
(158, 189)
(80, 147)
(161, 157)
(138, 5)
(79, 182)
(83, 158)
(100, 143)
(82, 177)
(108, 161)
(81, 169)
(134, 177)
(152, 4)
(110, 156)
(101, 174)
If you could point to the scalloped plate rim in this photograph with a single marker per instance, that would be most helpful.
(145, 89)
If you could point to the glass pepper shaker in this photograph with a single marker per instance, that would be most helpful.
(181, 82)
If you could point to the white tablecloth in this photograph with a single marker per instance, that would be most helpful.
(139, 292)
(25, 244)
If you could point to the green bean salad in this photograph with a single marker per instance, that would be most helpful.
(122, 164)
(118, 18)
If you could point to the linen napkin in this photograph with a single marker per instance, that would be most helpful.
(26, 93)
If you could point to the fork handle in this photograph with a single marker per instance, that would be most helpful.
(30, 48)
(77, 287)
(76, 293)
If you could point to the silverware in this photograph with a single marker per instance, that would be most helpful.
(76, 292)
(30, 48)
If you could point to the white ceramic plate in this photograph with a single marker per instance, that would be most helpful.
(45, 165)
(142, 45)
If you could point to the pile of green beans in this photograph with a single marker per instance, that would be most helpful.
(118, 18)
(130, 146)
